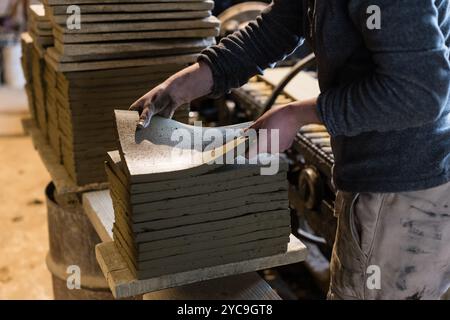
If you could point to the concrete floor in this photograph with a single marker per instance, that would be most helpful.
(23, 221)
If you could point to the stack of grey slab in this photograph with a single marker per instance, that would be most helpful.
(40, 27)
(35, 42)
(74, 86)
(120, 33)
(119, 52)
(176, 211)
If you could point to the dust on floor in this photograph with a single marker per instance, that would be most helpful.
(23, 222)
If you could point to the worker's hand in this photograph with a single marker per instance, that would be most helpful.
(188, 84)
(288, 119)
(160, 100)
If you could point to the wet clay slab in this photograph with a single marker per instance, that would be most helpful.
(224, 174)
(220, 255)
(197, 190)
(135, 7)
(143, 16)
(154, 47)
(264, 228)
(103, 27)
(142, 35)
(152, 154)
(54, 59)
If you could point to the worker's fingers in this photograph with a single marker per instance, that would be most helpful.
(255, 125)
(145, 117)
(138, 106)
(167, 112)
(252, 150)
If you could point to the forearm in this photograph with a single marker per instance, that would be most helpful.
(276, 33)
(305, 112)
(190, 83)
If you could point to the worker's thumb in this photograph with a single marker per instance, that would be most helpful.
(145, 117)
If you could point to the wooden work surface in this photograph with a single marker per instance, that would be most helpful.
(98, 207)
(63, 182)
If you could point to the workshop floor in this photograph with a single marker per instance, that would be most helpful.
(23, 224)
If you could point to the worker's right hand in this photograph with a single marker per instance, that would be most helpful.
(159, 100)
(188, 84)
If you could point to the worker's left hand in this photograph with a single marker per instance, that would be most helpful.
(288, 119)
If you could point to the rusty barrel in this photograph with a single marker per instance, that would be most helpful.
(71, 256)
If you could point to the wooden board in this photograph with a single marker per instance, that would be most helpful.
(123, 284)
(99, 208)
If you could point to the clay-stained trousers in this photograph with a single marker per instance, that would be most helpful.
(392, 245)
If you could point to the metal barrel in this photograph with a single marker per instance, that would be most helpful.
(71, 258)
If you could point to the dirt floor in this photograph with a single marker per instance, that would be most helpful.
(23, 221)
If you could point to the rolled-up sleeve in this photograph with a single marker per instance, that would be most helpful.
(247, 52)
(410, 82)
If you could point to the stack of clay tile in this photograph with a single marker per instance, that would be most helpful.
(175, 211)
(34, 44)
(120, 51)
(40, 27)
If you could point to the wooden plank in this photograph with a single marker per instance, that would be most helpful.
(99, 209)
(63, 183)
(123, 284)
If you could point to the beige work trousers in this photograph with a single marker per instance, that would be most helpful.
(392, 245)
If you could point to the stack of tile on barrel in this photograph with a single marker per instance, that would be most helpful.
(174, 214)
(120, 50)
